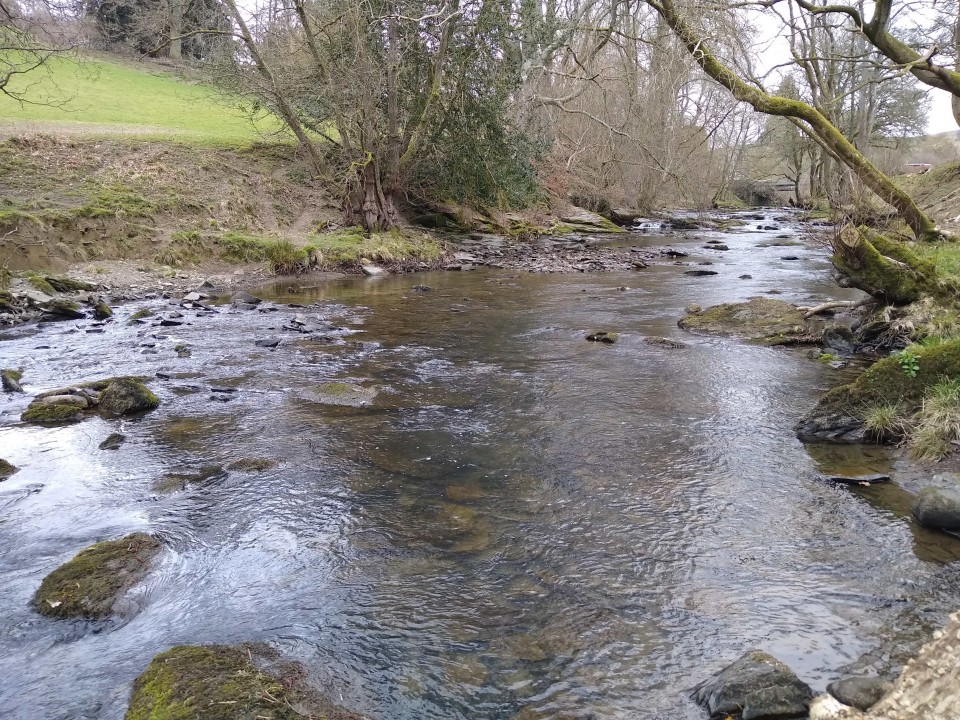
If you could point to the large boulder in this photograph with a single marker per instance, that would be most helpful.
(938, 508)
(90, 584)
(764, 320)
(7, 469)
(127, 395)
(219, 682)
(755, 687)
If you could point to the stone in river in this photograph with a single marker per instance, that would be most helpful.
(938, 508)
(755, 687)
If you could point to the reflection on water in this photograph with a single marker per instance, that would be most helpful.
(519, 524)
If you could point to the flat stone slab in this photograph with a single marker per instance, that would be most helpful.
(858, 479)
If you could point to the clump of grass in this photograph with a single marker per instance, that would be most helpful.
(285, 258)
(350, 247)
(185, 247)
(936, 426)
(884, 421)
(237, 247)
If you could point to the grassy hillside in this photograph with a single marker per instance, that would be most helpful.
(102, 96)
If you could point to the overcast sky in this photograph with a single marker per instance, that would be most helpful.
(941, 117)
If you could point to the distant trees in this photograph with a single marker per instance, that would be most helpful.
(810, 119)
(189, 29)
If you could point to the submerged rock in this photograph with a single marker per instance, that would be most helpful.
(113, 441)
(772, 322)
(938, 508)
(91, 583)
(859, 692)
(342, 393)
(7, 469)
(664, 342)
(172, 482)
(756, 686)
(244, 298)
(126, 395)
(219, 682)
(251, 465)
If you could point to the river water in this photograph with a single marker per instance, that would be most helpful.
(521, 525)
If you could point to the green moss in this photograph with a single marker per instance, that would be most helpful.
(217, 682)
(603, 336)
(89, 585)
(126, 395)
(38, 282)
(51, 414)
(240, 248)
(142, 313)
(13, 374)
(7, 469)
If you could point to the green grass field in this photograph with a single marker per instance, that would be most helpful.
(97, 96)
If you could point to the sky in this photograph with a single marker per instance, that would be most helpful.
(941, 117)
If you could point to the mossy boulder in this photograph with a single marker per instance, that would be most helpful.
(62, 309)
(67, 284)
(37, 282)
(89, 585)
(839, 415)
(7, 469)
(41, 413)
(127, 395)
(175, 481)
(218, 682)
(762, 320)
(101, 311)
(603, 336)
(10, 380)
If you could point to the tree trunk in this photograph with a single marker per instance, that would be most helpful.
(824, 131)
(176, 29)
(882, 267)
(367, 204)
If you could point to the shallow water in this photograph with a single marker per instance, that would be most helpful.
(522, 524)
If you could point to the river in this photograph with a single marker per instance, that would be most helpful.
(522, 524)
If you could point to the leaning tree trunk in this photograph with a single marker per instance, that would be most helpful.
(885, 268)
(819, 126)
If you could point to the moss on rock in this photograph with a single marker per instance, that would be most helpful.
(342, 393)
(126, 395)
(218, 682)
(67, 284)
(841, 413)
(772, 322)
(7, 469)
(89, 584)
(43, 414)
(38, 282)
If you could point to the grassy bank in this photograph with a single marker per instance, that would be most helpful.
(101, 96)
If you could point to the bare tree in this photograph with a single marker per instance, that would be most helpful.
(811, 120)
(31, 33)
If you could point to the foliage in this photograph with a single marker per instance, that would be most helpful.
(909, 363)
(350, 247)
(936, 427)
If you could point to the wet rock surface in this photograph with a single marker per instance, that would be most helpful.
(938, 508)
(760, 319)
(755, 687)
